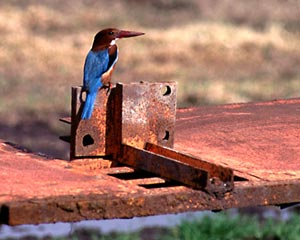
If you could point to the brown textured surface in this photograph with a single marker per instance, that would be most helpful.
(260, 141)
(132, 113)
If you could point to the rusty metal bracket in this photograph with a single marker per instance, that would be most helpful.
(134, 125)
(130, 113)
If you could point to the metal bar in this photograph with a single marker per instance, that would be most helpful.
(217, 173)
(66, 120)
(173, 169)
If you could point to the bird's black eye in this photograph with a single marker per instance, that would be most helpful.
(111, 33)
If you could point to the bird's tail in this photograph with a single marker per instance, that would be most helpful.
(88, 106)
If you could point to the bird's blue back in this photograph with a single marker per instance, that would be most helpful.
(96, 64)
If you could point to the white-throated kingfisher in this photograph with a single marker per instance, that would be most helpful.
(100, 63)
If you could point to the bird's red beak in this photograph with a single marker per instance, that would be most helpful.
(127, 34)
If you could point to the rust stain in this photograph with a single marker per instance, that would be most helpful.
(259, 141)
(132, 113)
(219, 179)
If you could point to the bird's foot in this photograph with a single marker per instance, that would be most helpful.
(108, 87)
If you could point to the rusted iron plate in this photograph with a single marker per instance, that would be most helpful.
(149, 113)
(35, 190)
(114, 204)
(131, 113)
(88, 137)
(258, 140)
(38, 190)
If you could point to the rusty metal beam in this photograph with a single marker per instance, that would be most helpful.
(220, 178)
(185, 169)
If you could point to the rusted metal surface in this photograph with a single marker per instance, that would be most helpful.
(129, 204)
(88, 138)
(127, 118)
(219, 178)
(132, 113)
(180, 169)
(260, 141)
(148, 113)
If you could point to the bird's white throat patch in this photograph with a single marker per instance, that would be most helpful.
(113, 42)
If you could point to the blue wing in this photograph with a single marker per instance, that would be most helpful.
(96, 64)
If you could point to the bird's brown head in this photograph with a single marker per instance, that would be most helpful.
(106, 37)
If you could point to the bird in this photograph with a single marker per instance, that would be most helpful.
(99, 65)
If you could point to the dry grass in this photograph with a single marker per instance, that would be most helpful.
(218, 52)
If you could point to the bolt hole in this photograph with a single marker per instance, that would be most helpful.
(166, 91)
(83, 96)
(87, 140)
(167, 136)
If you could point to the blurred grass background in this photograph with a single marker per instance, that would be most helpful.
(218, 51)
